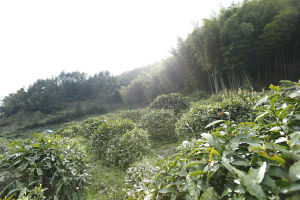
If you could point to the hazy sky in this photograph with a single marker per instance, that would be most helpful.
(39, 38)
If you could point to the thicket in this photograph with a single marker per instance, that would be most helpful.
(53, 162)
(258, 159)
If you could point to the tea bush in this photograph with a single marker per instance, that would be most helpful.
(194, 121)
(72, 130)
(118, 142)
(250, 160)
(160, 125)
(128, 148)
(174, 101)
(237, 107)
(89, 126)
(52, 161)
(134, 115)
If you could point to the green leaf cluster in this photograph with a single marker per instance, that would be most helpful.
(51, 161)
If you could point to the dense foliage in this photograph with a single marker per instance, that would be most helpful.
(118, 142)
(237, 107)
(174, 101)
(53, 162)
(160, 124)
(252, 160)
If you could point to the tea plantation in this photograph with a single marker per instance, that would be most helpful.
(245, 145)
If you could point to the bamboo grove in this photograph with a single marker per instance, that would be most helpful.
(251, 44)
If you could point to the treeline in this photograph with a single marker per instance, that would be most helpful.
(251, 44)
(51, 95)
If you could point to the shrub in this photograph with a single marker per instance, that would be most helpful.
(252, 160)
(194, 121)
(107, 132)
(240, 105)
(118, 142)
(52, 161)
(160, 125)
(237, 107)
(128, 148)
(89, 126)
(174, 101)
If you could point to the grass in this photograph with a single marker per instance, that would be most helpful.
(107, 183)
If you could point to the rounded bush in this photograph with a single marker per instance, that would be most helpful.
(53, 162)
(173, 101)
(193, 123)
(128, 148)
(89, 126)
(160, 125)
(117, 142)
(237, 107)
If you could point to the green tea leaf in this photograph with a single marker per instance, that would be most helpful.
(291, 188)
(192, 188)
(22, 192)
(214, 123)
(39, 171)
(209, 194)
(261, 101)
(294, 171)
(275, 88)
(196, 173)
(251, 185)
(165, 190)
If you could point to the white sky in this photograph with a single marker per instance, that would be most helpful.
(39, 38)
